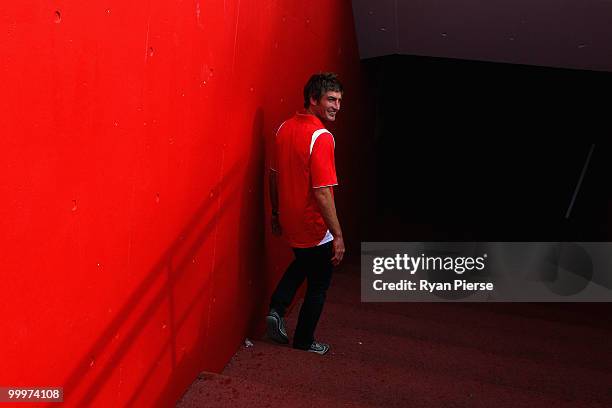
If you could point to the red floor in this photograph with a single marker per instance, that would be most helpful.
(425, 355)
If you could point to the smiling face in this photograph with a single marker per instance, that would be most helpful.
(327, 107)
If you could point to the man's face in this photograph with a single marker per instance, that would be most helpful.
(327, 107)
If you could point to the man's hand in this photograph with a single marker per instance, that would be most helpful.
(276, 227)
(325, 199)
(338, 247)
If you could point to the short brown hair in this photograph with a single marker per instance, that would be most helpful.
(319, 84)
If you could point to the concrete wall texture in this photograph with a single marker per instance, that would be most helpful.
(134, 134)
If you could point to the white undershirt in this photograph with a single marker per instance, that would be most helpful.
(328, 237)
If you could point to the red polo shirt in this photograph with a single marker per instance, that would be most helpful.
(303, 157)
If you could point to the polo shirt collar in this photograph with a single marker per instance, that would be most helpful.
(304, 115)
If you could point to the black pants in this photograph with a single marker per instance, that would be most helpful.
(315, 265)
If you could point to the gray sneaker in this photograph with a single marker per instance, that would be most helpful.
(276, 327)
(319, 348)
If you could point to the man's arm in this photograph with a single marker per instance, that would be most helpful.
(276, 227)
(325, 200)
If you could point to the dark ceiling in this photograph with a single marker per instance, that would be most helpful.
(554, 33)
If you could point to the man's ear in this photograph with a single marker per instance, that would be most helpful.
(313, 101)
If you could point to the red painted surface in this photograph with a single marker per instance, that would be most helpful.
(132, 210)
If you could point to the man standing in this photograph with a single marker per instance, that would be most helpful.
(302, 177)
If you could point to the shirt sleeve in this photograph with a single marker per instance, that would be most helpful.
(274, 150)
(322, 162)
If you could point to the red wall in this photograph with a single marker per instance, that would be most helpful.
(132, 212)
